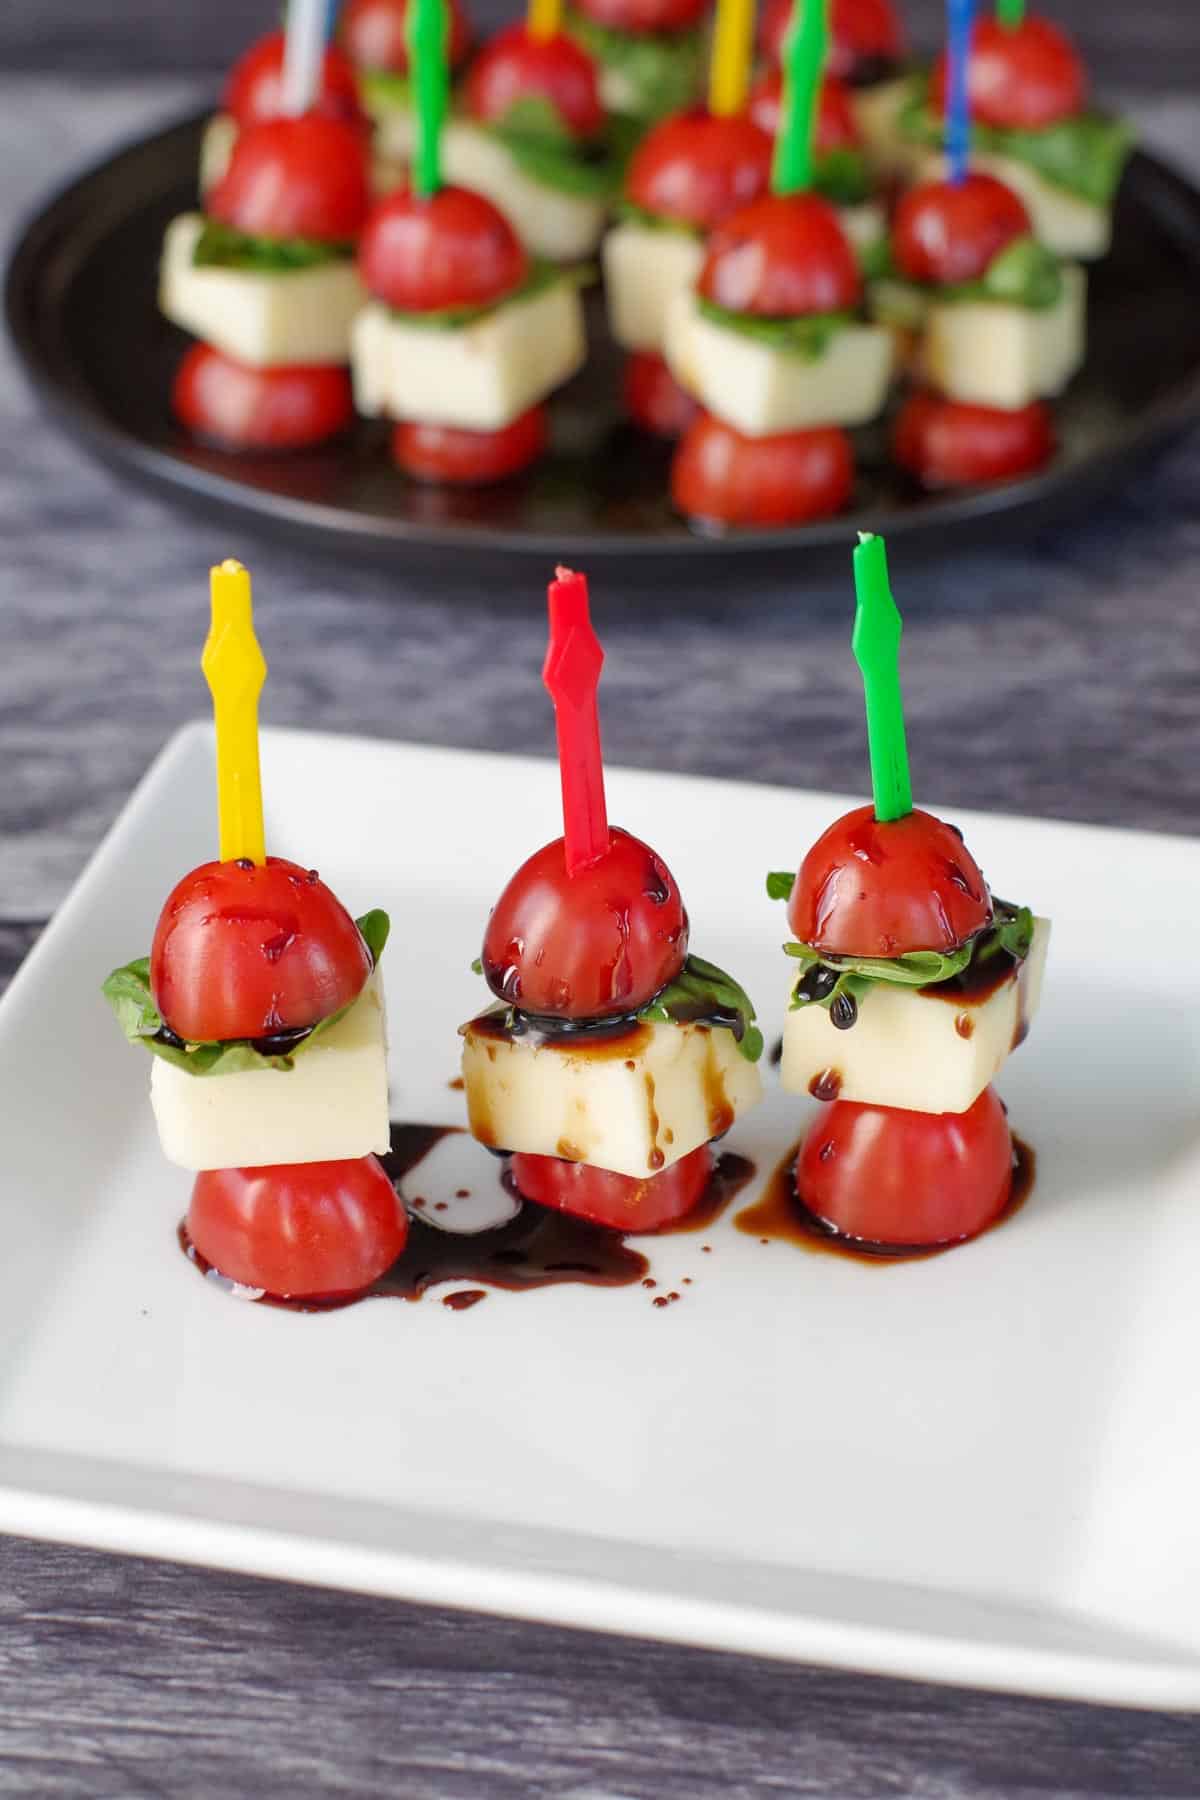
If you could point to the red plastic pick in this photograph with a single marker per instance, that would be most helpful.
(571, 673)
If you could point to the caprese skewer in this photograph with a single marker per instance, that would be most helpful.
(842, 173)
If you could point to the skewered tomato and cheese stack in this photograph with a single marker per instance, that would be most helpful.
(265, 277)
(374, 36)
(255, 92)
(612, 1057)
(867, 53)
(913, 986)
(841, 172)
(262, 1004)
(650, 53)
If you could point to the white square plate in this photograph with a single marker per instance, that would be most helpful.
(983, 1467)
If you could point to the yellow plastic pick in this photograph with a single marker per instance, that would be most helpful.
(543, 18)
(235, 669)
(729, 70)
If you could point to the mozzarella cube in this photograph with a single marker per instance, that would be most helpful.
(877, 111)
(267, 321)
(644, 268)
(1065, 223)
(560, 227)
(634, 1102)
(865, 225)
(332, 1105)
(761, 390)
(480, 376)
(991, 353)
(911, 1047)
(216, 148)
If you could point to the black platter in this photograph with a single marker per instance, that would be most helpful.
(80, 300)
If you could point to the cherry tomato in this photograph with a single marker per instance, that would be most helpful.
(598, 944)
(867, 889)
(374, 33)
(302, 1231)
(518, 66)
(636, 16)
(865, 36)
(450, 249)
(946, 443)
(836, 129)
(654, 399)
(254, 90)
(781, 256)
(1022, 77)
(247, 952)
(947, 231)
(295, 178)
(621, 1201)
(697, 168)
(885, 1176)
(721, 476)
(447, 453)
(241, 408)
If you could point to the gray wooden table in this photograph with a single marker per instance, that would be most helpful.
(1061, 678)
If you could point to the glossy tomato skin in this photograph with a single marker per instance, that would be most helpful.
(654, 399)
(295, 178)
(865, 36)
(1020, 79)
(302, 1231)
(836, 128)
(247, 952)
(241, 408)
(598, 944)
(723, 477)
(698, 168)
(254, 90)
(872, 889)
(518, 66)
(450, 249)
(947, 443)
(634, 16)
(448, 454)
(947, 232)
(782, 256)
(907, 1179)
(620, 1201)
(374, 34)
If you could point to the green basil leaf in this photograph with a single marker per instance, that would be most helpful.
(664, 70)
(875, 259)
(637, 215)
(1024, 274)
(375, 927)
(477, 966)
(385, 90)
(780, 883)
(808, 337)
(843, 177)
(560, 162)
(1011, 931)
(1084, 156)
(454, 318)
(221, 247)
(703, 993)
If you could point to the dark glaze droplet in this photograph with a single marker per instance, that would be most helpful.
(964, 1024)
(458, 1084)
(816, 984)
(843, 1012)
(826, 1085)
(464, 1299)
(775, 1055)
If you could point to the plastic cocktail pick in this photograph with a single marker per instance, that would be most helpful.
(1011, 13)
(428, 38)
(876, 645)
(543, 18)
(235, 670)
(803, 62)
(729, 70)
(960, 17)
(571, 673)
(303, 50)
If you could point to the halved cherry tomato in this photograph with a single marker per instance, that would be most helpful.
(1022, 77)
(254, 90)
(240, 408)
(836, 127)
(885, 1176)
(518, 66)
(947, 443)
(782, 256)
(697, 167)
(865, 36)
(598, 944)
(302, 1231)
(295, 178)
(374, 33)
(622, 1201)
(446, 453)
(636, 16)
(654, 399)
(450, 249)
(872, 889)
(247, 952)
(951, 231)
(721, 476)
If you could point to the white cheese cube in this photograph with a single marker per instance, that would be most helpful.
(480, 377)
(990, 353)
(561, 227)
(395, 134)
(877, 111)
(644, 268)
(1065, 223)
(332, 1105)
(216, 148)
(635, 1102)
(267, 321)
(908, 1047)
(865, 224)
(761, 390)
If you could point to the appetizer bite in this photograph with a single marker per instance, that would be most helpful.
(612, 1057)
(374, 36)
(261, 1004)
(255, 91)
(650, 53)
(912, 987)
(842, 173)
(867, 54)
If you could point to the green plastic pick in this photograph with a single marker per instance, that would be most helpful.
(428, 36)
(876, 645)
(803, 64)
(1011, 13)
